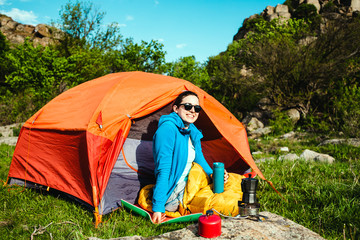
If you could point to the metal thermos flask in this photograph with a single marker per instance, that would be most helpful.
(209, 225)
(218, 177)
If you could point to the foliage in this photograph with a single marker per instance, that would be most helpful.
(189, 69)
(251, 23)
(348, 110)
(36, 78)
(292, 4)
(32, 76)
(308, 12)
(233, 83)
(5, 66)
(82, 24)
(305, 11)
(298, 74)
(147, 57)
(281, 123)
(329, 7)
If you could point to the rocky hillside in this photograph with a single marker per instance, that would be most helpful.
(328, 9)
(16, 32)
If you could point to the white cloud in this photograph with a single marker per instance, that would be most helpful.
(160, 39)
(157, 2)
(2, 2)
(122, 25)
(181, 45)
(129, 18)
(22, 16)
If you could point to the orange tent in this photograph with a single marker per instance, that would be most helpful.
(90, 139)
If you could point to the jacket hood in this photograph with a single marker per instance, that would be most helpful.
(176, 119)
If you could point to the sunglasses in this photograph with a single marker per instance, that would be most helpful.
(189, 106)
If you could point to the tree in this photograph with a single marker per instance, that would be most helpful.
(147, 57)
(189, 69)
(5, 66)
(82, 24)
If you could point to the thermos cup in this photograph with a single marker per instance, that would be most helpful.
(218, 177)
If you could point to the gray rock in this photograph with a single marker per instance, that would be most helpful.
(43, 30)
(259, 132)
(269, 10)
(289, 157)
(25, 28)
(273, 228)
(315, 156)
(284, 149)
(283, 16)
(254, 124)
(40, 34)
(264, 159)
(45, 41)
(280, 8)
(4, 20)
(351, 141)
(315, 3)
(293, 114)
(8, 140)
(355, 5)
(256, 153)
(16, 39)
(7, 131)
(307, 40)
(288, 135)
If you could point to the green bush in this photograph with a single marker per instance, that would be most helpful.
(305, 11)
(308, 12)
(347, 107)
(292, 4)
(281, 123)
(317, 123)
(329, 7)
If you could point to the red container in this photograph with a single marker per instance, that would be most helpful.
(209, 225)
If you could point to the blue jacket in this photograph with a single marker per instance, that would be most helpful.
(170, 149)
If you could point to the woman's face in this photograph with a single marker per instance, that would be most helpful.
(188, 116)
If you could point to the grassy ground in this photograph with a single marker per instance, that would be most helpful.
(322, 197)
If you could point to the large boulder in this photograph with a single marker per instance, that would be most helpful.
(280, 11)
(355, 5)
(315, 3)
(40, 34)
(355, 142)
(253, 124)
(43, 30)
(27, 29)
(273, 228)
(310, 155)
(293, 114)
(289, 157)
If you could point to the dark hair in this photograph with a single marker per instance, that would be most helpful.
(182, 95)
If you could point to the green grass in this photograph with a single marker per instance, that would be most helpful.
(24, 210)
(322, 197)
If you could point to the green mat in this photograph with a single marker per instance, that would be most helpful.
(146, 214)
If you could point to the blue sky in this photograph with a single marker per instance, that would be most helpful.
(202, 28)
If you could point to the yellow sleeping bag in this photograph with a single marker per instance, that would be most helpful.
(199, 197)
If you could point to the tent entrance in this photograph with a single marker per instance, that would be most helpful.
(134, 167)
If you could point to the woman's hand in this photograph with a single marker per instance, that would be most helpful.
(226, 176)
(158, 217)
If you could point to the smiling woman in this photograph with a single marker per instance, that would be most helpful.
(176, 146)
